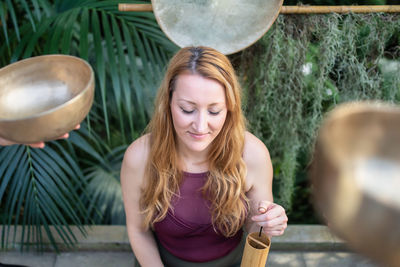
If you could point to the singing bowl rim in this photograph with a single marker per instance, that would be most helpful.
(358, 107)
(87, 87)
(233, 51)
(346, 111)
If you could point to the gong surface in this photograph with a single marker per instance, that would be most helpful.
(226, 25)
(356, 178)
(41, 98)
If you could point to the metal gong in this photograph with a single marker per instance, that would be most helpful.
(43, 97)
(226, 25)
(356, 178)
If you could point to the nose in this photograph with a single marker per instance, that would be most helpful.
(200, 123)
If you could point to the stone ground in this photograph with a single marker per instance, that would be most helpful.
(108, 246)
(122, 259)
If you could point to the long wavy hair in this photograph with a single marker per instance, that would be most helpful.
(225, 186)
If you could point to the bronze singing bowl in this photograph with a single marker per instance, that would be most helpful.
(225, 25)
(44, 97)
(356, 178)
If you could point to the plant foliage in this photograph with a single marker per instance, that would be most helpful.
(68, 182)
(302, 68)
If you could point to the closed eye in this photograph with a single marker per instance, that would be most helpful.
(187, 111)
(214, 113)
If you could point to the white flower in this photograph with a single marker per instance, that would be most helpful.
(306, 68)
(389, 66)
(329, 91)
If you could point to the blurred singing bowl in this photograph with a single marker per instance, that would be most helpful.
(356, 178)
(44, 97)
(225, 25)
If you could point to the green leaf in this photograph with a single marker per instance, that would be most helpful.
(56, 29)
(13, 18)
(28, 13)
(126, 99)
(115, 79)
(101, 73)
(3, 20)
(134, 71)
(84, 32)
(9, 156)
(33, 39)
(69, 28)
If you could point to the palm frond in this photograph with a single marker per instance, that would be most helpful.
(104, 196)
(10, 11)
(128, 52)
(38, 187)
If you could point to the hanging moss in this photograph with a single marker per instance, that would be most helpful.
(304, 66)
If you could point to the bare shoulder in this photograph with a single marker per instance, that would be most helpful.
(257, 159)
(135, 160)
(255, 152)
(138, 150)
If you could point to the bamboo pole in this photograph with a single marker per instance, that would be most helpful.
(338, 9)
(296, 9)
(135, 7)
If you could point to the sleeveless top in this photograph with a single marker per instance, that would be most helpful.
(187, 231)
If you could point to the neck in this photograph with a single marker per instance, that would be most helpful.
(193, 161)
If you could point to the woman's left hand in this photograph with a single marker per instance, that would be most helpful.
(272, 218)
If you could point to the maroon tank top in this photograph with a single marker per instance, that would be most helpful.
(187, 231)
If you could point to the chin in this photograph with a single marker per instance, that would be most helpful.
(197, 146)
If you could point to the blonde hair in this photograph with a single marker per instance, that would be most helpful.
(225, 186)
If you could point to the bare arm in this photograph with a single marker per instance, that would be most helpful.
(132, 176)
(263, 212)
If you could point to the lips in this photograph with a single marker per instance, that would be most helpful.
(198, 136)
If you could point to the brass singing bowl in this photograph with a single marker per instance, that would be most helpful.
(225, 25)
(356, 178)
(44, 97)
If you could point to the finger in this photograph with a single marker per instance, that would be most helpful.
(276, 228)
(273, 212)
(274, 224)
(274, 233)
(262, 210)
(37, 145)
(264, 205)
(4, 142)
(65, 136)
(271, 224)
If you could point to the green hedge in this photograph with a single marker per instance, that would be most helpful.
(303, 67)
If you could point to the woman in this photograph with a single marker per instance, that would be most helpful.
(197, 177)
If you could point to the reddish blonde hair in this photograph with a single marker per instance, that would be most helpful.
(225, 186)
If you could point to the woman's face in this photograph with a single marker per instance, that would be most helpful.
(198, 108)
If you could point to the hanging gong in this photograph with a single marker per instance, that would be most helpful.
(226, 25)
